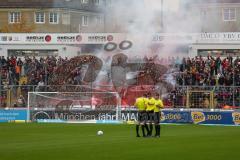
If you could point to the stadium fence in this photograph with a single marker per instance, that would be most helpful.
(181, 97)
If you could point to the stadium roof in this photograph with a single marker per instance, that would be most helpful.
(71, 4)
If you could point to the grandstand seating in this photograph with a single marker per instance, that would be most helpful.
(205, 82)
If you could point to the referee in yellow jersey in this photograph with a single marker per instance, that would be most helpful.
(140, 104)
(157, 114)
(150, 112)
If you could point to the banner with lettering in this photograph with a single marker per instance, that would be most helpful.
(103, 38)
(167, 116)
(13, 115)
(195, 117)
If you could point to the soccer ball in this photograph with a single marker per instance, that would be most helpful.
(99, 133)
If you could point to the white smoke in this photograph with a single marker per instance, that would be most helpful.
(143, 18)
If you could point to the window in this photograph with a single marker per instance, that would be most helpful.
(110, 3)
(39, 17)
(66, 18)
(14, 17)
(96, 2)
(84, 20)
(99, 20)
(53, 18)
(84, 1)
(229, 14)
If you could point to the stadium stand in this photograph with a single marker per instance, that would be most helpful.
(209, 71)
(201, 82)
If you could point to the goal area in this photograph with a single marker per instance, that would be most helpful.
(79, 107)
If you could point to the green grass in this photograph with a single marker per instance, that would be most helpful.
(79, 142)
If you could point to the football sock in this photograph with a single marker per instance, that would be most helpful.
(146, 126)
(137, 129)
(156, 130)
(143, 130)
(150, 130)
(159, 129)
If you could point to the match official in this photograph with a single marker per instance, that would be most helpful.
(140, 104)
(150, 112)
(157, 114)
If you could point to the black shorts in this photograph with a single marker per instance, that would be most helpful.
(157, 116)
(150, 116)
(142, 116)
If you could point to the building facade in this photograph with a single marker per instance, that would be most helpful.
(218, 21)
(214, 15)
(52, 16)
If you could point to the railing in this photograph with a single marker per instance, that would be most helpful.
(205, 97)
(181, 97)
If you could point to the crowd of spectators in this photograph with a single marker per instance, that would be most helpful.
(204, 74)
(33, 73)
(34, 70)
(29, 73)
(199, 71)
(209, 71)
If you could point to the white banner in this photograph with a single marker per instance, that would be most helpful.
(103, 38)
(227, 37)
(52, 38)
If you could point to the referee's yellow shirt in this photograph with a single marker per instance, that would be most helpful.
(151, 104)
(140, 103)
(159, 105)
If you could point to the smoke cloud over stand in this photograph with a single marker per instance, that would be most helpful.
(144, 18)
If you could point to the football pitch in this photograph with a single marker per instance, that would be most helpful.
(80, 142)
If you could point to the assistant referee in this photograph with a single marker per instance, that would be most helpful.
(157, 114)
(150, 112)
(140, 104)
